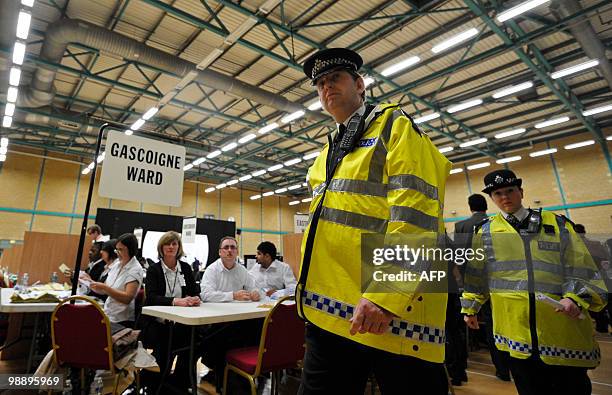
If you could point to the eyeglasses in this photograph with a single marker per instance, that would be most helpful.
(230, 247)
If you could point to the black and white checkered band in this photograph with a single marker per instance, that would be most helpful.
(400, 328)
(513, 344)
(324, 64)
(550, 351)
(499, 180)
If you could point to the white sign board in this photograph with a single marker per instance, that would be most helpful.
(300, 222)
(143, 170)
(138, 234)
(189, 229)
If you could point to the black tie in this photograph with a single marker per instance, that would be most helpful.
(341, 130)
(512, 220)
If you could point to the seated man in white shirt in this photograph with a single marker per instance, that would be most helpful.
(272, 275)
(225, 280)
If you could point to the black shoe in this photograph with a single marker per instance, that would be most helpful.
(456, 382)
(502, 377)
(464, 377)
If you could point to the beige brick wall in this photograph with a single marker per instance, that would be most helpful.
(583, 174)
(62, 183)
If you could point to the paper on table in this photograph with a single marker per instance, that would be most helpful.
(64, 269)
(84, 282)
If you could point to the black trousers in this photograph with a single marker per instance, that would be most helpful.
(218, 339)
(501, 359)
(456, 352)
(534, 377)
(335, 365)
(181, 335)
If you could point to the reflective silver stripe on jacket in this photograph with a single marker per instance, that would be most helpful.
(497, 284)
(414, 217)
(401, 328)
(500, 266)
(410, 181)
(358, 186)
(470, 304)
(359, 221)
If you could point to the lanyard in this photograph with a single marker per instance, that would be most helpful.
(175, 278)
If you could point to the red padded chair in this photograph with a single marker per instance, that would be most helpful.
(281, 347)
(81, 336)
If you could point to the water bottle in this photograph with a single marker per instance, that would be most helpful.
(67, 388)
(54, 278)
(97, 386)
(25, 280)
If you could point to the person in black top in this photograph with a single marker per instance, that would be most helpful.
(99, 270)
(169, 282)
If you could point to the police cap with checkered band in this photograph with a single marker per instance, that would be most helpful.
(500, 179)
(331, 59)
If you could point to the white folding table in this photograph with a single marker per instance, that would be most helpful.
(6, 306)
(206, 313)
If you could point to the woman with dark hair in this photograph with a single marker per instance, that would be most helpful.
(122, 283)
(169, 282)
(99, 271)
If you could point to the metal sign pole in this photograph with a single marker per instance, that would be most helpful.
(77, 265)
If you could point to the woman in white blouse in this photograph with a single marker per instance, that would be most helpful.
(123, 282)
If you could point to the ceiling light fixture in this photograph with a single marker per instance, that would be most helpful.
(456, 39)
(11, 94)
(464, 106)
(509, 133)
(597, 110)
(275, 167)
(473, 142)
(247, 138)
(293, 162)
(519, 9)
(512, 89)
(508, 160)
(580, 144)
(551, 122)
(19, 53)
(428, 117)
(574, 69)
(314, 106)
(23, 25)
(404, 64)
(229, 146)
(213, 154)
(479, 165)
(268, 128)
(14, 76)
(150, 113)
(199, 161)
(543, 152)
(293, 116)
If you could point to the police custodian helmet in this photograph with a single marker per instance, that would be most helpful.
(500, 179)
(331, 59)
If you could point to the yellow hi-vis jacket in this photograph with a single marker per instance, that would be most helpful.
(554, 262)
(392, 182)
